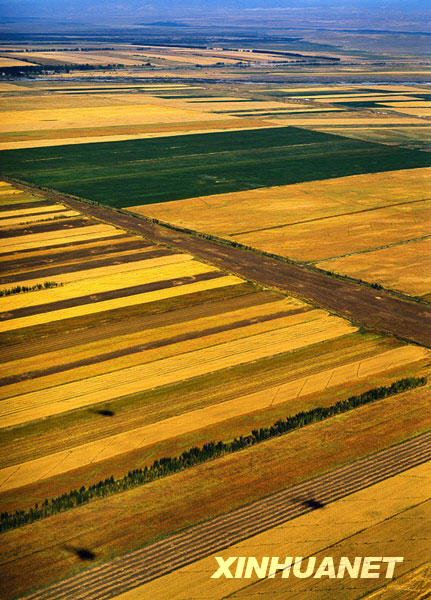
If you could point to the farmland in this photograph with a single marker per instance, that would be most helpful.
(210, 252)
(133, 172)
(141, 351)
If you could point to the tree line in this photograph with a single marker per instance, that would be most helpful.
(21, 289)
(196, 455)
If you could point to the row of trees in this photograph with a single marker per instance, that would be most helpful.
(21, 289)
(168, 465)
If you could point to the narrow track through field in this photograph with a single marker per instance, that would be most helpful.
(157, 559)
(375, 309)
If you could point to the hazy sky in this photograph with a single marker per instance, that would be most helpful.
(286, 11)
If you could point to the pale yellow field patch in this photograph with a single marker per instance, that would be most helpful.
(417, 112)
(51, 238)
(361, 97)
(227, 214)
(411, 104)
(82, 352)
(349, 119)
(23, 120)
(61, 462)
(89, 309)
(109, 278)
(13, 62)
(346, 234)
(39, 404)
(405, 267)
(133, 269)
(240, 125)
(4, 223)
(311, 534)
(26, 212)
(156, 354)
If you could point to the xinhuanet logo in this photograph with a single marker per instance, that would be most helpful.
(359, 567)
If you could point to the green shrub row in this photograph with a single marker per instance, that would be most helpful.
(22, 289)
(167, 466)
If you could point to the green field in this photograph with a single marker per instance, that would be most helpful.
(176, 167)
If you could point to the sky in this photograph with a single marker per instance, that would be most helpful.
(286, 12)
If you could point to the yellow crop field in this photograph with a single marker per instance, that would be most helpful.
(76, 136)
(226, 214)
(345, 234)
(52, 238)
(79, 58)
(23, 220)
(346, 118)
(80, 352)
(363, 97)
(411, 104)
(417, 112)
(69, 117)
(406, 267)
(13, 62)
(92, 243)
(158, 353)
(100, 450)
(89, 309)
(42, 403)
(24, 213)
(390, 509)
(111, 278)
(132, 269)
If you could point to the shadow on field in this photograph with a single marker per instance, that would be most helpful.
(81, 553)
(105, 412)
(310, 503)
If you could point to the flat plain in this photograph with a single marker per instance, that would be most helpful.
(120, 348)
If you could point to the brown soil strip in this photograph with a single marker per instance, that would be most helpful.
(56, 225)
(121, 321)
(110, 295)
(81, 266)
(376, 309)
(65, 245)
(71, 255)
(23, 205)
(150, 346)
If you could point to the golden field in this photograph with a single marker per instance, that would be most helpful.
(361, 221)
(143, 351)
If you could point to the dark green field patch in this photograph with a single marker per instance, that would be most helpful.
(176, 167)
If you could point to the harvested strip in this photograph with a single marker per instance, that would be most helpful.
(119, 267)
(70, 253)
(56, 245)
(39, 240)
(109, 305)
(161, 348)
(43, 403)
(117, 293)
(48, 466)
(152, 406)
(31, 210)
(153, 331)
(23, 220)
(45, 227)
(81, 331)
(25, 205)
(118, 258)
(157, 269)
